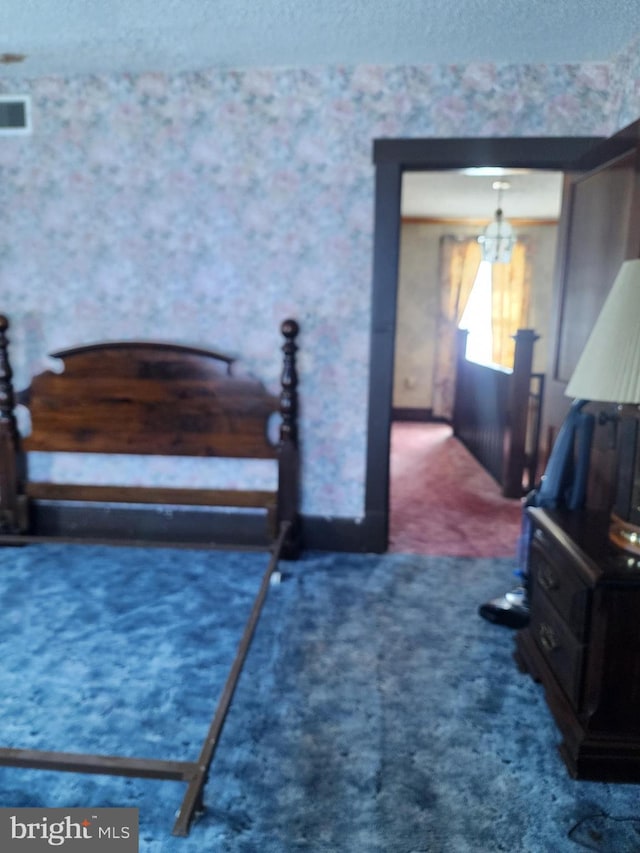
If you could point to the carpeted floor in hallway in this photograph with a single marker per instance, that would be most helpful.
(443, 501)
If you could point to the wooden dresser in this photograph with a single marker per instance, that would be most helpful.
(583, 642)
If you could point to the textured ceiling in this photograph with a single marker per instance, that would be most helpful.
(103, 36)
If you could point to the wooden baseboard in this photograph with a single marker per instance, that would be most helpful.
(406, 414)
(344, 534)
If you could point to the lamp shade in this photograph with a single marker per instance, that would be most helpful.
(609, 368)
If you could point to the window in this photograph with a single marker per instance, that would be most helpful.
(476, 318)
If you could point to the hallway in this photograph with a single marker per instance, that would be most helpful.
(442, 501)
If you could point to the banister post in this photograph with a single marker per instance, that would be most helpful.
(288, 454)
(459, 378)
(519, 390)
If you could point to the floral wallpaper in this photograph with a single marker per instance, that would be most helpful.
(204, 208)
(626, 85)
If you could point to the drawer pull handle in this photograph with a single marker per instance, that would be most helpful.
(547, 580)
(547, 638)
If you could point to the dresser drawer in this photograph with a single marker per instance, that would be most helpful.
(559, 581)
(562, 651)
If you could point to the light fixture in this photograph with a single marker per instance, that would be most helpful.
(498, 238)
(609, 371)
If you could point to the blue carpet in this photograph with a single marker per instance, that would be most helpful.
(377, 713)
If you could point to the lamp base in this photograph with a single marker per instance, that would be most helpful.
(624, 534)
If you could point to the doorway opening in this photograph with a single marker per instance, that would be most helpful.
(392, 159)
(443, 285)
(443, 217)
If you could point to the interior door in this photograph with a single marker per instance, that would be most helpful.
(599, 229)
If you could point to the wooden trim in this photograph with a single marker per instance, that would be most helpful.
(410, 414)
(347, 535)
(553, 153)
(609, 149)
(476, 223)
(391, 158)
(386, 255)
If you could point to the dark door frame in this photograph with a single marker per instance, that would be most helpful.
(391, 158)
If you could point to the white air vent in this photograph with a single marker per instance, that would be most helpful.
(15, 115)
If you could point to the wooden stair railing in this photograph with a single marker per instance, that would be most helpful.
(497, 414)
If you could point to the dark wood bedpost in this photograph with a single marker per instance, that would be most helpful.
(10, 520)
(288, 455)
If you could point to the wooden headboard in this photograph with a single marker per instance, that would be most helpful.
(146, 398)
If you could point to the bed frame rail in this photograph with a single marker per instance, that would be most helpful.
(58, 493)
(195, 773)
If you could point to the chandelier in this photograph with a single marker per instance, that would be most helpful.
(498, 239)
